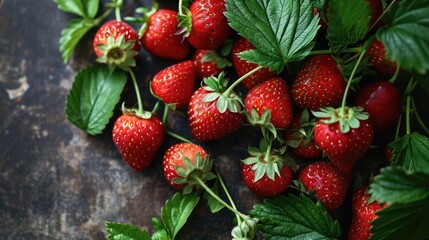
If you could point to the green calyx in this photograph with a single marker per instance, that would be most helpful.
(185, 22)
(263, 121)
(135, 112)
(146, 14)
(225, 100)
(348, 118)
(303, 134)
(246, 230)
(191, 173)
(118, 53)
(219, 57)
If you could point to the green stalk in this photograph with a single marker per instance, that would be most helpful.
(418, 118)
(393, 79)
(165, 115)
(180, 7)
(103, 16)
(407, 115)
(177, 136)
(238, 81)
(136, 88)
(398, 127)
(381, 16)
(329, 51)
(222, 184)
(118, 10)
(215, 196)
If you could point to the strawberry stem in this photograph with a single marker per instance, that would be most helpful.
(118, 10)
(418, 118)
(215, 196)
(381, 16)
(393, 79)
(398, 127)
(165, 115)
(180, 7)
(222, 184)
(238, 81)
(407, 114)
(177, 136)
(103, 16)
(329, 51)
(136, 88)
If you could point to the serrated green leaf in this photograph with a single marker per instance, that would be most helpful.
(282, 31)
(395, 185)
(93, 97)
(295, 217)
(407, 35)
(411, 152)
(402, 221)
(214, 205)
(348, 22)
(120, 231)
(319, 4)
(71, 6)
(71, 35)
(176, 211)
(91, 7)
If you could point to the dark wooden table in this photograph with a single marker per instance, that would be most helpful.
(56, 182)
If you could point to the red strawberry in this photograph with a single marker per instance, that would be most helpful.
(160, 36)
(242, 67)
(383, 101)
(272, 95)
(207, 24)
(116, 43)
(318, 84)
(208, 63)
(363, 215)
(376, 7)
(327, 182)
(346, 138)
(175, 84)
(378, 60)
(300, 138)
(138, 139)
(175, 157)
(213, 113)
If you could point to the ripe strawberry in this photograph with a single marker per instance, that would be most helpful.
(208, 63)
(242, 67)
(138, 139)
(272, 95)
(178, 172)
(378, 60)
(206, 25)
(116, 44)
(175, 84)
(327, 182)
(300, 138)
(383, 101)
(318, 84)
(363, 215)
(344, 140)
(376, 7)
(160, 36)
(214, 113)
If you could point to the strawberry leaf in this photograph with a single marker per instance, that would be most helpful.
(91, 7)
(396, 185)
(122, 231)
(295, 217)
(72, 6)
(348, 22)
(407, 34)
(93, 97)
(411, 152)
(71, 35)
(214, 205)
(176, 211)
(282, 31)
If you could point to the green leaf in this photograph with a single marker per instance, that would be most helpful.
(411, 152)
(319, 4)
(282, 31)
(214, 205)
(402, 221)
(423, 81)
(295, 217)
(396, 185)
(120, 231)
(348, 22)
(91, 7)
(71, 6)
(407, 35)
(93, 97)
(71, 35)
(176, 211)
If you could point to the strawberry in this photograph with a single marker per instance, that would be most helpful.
(272, 95)
(267, 175)
(242, 67)
(138, 139)
(300, 138)
(213, 111)
(205, 24)
(383, 101)
(181, 161)
(209, 63)
(175, 84)
(318, 84)
(376, 7)
(159, 35)
(378, 60)
(116, 44)
(328, 184)
(343, 137)
(363, 214)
